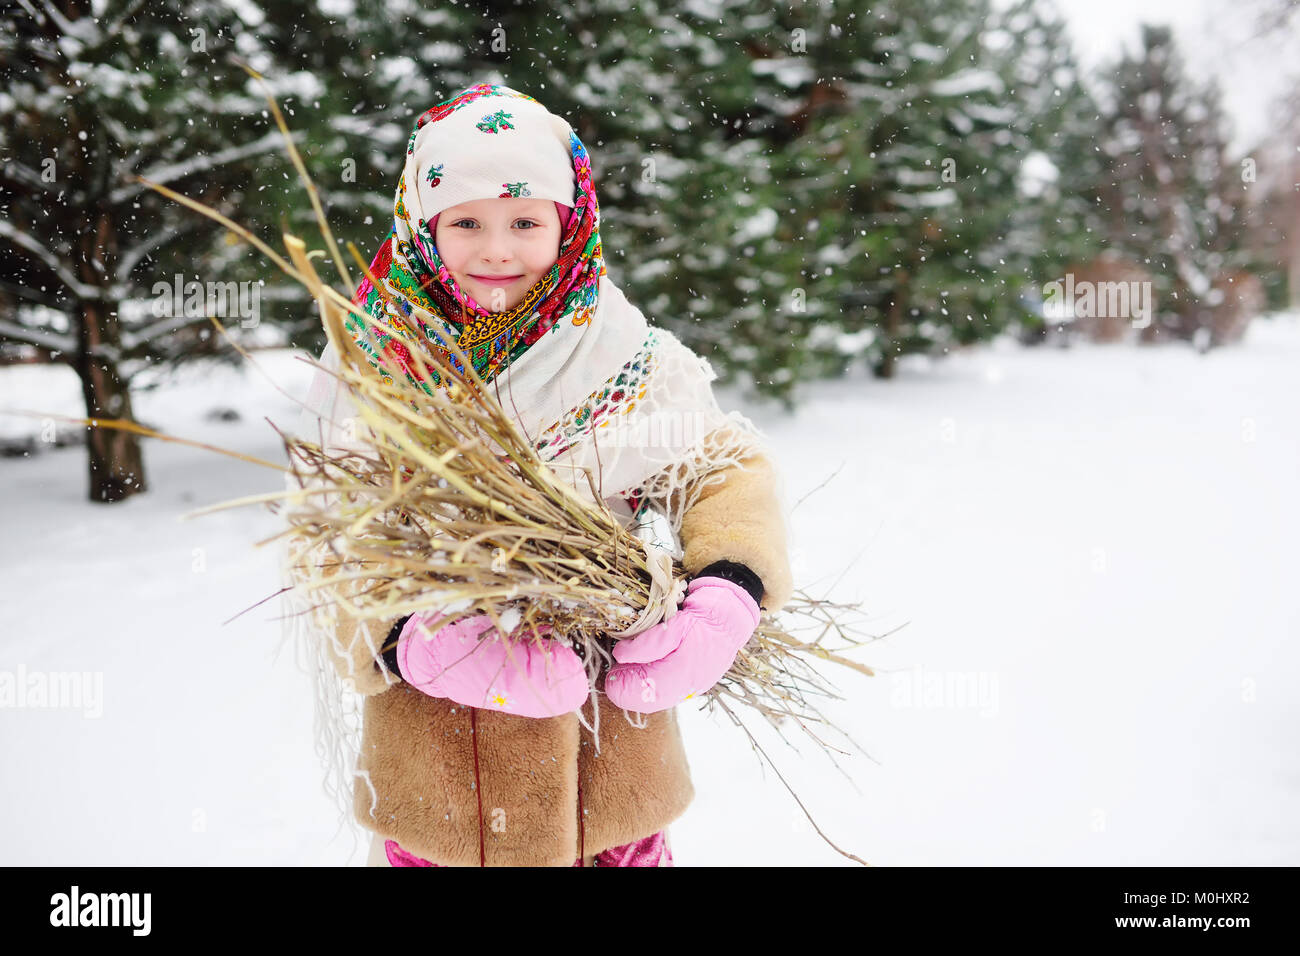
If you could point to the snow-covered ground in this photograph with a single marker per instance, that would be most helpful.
(1093, 551)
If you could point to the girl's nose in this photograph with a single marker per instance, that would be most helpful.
(497, 246)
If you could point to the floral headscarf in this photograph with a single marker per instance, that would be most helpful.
(487, 141)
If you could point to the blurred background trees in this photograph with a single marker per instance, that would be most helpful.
(796, 190)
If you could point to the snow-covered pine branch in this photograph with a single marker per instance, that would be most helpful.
(29, 244)
(133, 339)
(43, 337)
(164, 175)
(131, 257)
(24, 177)
(123, 19)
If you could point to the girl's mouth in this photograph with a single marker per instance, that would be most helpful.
(494, 278)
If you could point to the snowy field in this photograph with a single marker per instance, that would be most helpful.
(1093, 552)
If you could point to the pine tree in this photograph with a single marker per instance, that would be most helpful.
(1270, 178)
(1056, 219)
(1166, 188)
(92, 103)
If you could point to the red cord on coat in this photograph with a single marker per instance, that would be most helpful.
(478, 788)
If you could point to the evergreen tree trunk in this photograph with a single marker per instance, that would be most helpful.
(1291, 242)
(893, 327)
(116, 465)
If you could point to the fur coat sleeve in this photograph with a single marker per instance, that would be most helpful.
(735, 514)
(738, 517)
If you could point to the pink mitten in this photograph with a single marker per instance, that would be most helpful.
(687, 654)
(469, 663)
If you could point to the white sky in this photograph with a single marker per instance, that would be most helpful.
(1213, 35)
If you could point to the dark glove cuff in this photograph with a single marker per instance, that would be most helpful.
(736, 573)
(390, 655)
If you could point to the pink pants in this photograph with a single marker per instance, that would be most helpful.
(652, 851)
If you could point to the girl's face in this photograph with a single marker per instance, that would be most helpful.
(497, 249)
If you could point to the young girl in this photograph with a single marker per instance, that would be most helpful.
(469, 755)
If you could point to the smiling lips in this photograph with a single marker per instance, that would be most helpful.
(494, 278)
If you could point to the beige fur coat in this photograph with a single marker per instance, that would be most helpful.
(545, 796)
